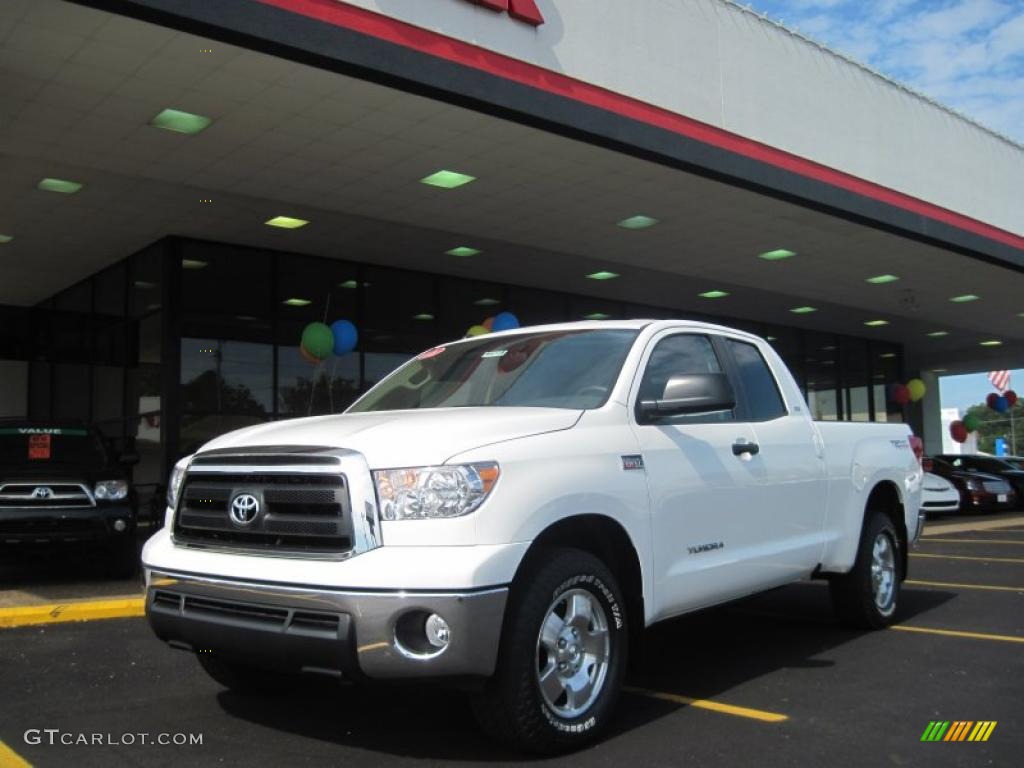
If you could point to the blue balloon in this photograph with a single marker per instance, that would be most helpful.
(504, 321)
(1002, 405)
(345, 336)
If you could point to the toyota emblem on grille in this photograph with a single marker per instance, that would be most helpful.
(244, 508)
(42, 492)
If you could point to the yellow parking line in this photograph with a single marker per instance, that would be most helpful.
(87, 610)
(11, 759)
(965, 557)
(959, 633)
(962, 586)
(713, 706)
(974, 541)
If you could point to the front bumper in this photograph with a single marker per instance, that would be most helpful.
(45, 526)
(324, 630)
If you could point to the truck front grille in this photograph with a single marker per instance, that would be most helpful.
(280, 503)
(45, 496)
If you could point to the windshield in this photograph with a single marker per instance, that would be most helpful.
(40, 446)
(557, 369)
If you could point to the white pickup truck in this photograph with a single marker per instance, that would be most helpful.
(507, 512)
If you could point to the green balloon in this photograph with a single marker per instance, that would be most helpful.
(318, 340)
(971, 422)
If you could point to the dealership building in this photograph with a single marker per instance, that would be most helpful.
(184, 186)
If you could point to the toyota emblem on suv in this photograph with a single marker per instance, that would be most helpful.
(244, 508)
(42, 492)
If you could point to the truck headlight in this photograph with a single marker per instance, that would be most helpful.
(420, 493)
(174, 483)
(110, 490)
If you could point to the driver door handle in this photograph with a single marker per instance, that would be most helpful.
(738, 449)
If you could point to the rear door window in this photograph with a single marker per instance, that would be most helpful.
(764, 401)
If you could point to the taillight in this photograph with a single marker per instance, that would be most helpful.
(917, 445)
(927, 464)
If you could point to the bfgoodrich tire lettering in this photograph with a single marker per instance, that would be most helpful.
(562, 657)
(868, 596)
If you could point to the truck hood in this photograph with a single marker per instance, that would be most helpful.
(404, 438)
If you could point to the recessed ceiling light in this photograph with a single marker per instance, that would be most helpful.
(964, 299)
(463, 251)
(714, 294)
(596, 316)
(297, 302)
(777, 255)
(803, 310)
(246, 318)
(487, 302)
(938, 334)
(6, 238)
(887, 355)
(63, 186)
(829, 347)
(144, 285)
(181, 122)
(770, 338)
(991, 343)
(881, 279)
(423, 316)
(193, 264)
(152, 307)
(286, 222)
(447, 179)
(638, 222)
(603, 275)
(875, 323)
(939, 370)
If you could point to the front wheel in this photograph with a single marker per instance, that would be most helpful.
(562, 657)
(868, 596)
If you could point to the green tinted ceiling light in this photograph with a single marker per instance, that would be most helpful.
(423, 316)
(887, 355)
(714, 294)
(803, 310)
(881, 279)
(876, 323)
(181, 122)
(6, 238)
(193, 264)
(964, 299)
(638, 222)
(991, 343)
(596, 316)
(602, 275)
(297, 302)
(777, 255)
(286, 222)
(486, 302)
(447, 179)
(938, 334)
(463, 251)
(63, 186)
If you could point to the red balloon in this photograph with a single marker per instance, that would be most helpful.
(1011, 397)
(958, 431)
(308, 356)
(990, 401)
(488, 323)
(900, 394)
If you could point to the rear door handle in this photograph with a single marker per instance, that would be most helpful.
(738, 449)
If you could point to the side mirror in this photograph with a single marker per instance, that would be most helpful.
(129, 459)
(693, 393)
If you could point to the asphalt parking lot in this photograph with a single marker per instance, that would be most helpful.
(772, 680)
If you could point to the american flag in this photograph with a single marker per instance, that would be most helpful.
(1000, 379)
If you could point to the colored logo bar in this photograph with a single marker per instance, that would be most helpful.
(958, 730)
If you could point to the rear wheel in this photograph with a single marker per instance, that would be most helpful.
(562, 657)
(868, 596)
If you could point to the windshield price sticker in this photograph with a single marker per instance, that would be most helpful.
(496, 353)
(39, 446)
(43, 431)
(430, 353)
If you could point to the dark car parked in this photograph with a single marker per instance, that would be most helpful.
(1010, 468)
(978, 490)
(60, 486)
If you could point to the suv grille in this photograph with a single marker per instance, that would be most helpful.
(281, 503)
(45, 496)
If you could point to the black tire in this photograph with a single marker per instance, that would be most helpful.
(512, 707)
(854, 593)
(122, 558)
(243, 678)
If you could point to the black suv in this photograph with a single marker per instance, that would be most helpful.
(59, 485)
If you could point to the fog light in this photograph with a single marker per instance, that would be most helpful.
(438, 633)
(120, 525)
